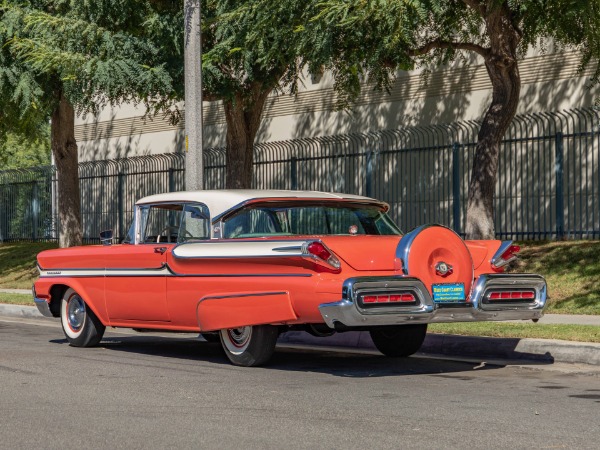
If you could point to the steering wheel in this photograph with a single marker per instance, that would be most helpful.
(167, 228)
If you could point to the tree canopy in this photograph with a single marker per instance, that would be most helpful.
(18, 150)
(59, 57)
(250, 49)
(374, 39)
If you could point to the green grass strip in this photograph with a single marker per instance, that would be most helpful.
(16, 299)
(579, 333)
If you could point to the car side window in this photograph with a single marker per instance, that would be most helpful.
(130, 237)
(195, 223)
(160, 223)
(251, 223)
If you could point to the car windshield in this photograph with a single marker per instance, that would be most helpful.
(308, 219)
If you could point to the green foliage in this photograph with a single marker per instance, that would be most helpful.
(25, 150)
(17, 263)
(399, 34)
(250, 46)
(97, 52)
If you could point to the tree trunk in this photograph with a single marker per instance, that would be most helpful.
(503, 70)
(64, 149)
(243, 117)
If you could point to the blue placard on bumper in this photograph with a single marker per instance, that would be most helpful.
(448, 293)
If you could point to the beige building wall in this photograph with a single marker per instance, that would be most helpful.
(550, 82)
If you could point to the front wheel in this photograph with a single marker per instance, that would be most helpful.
(399, 340)
(81, 326)
(249, 346)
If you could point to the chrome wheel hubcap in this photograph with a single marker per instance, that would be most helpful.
(76, 313)
(239, 336)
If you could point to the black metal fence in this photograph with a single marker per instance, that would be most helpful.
(548, 181)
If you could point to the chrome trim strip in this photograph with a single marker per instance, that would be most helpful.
(164, 271)
(257, 248)
(384, 206)
(162, 266)
(503, 247)
(241, 275)
(287, 249)
(254, 294)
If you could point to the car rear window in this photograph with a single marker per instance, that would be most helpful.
(308, 219)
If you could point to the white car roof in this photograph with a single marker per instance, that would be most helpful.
(220, 201)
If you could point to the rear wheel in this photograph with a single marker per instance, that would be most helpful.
(249, 346)
(399, 340)
(81, 326)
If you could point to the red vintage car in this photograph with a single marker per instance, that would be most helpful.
(244, 266)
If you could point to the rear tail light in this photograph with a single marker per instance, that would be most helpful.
(505, 254)
(321, 254)
(511, 295)
(405, 297)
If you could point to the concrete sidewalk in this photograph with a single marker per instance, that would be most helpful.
(16, 291)
(545, 351)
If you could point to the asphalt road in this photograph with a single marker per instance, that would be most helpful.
(141, 391)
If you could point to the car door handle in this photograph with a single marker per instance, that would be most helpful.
(160, 250)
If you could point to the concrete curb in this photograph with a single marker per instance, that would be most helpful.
(26, 312)
(540, 350)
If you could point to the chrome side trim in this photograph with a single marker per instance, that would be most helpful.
(239, 248)
(384, 206)
(102, 272)
(288, 249)
(163, 271)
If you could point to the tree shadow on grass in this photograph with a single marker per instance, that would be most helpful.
(572, 271)
(17, 263)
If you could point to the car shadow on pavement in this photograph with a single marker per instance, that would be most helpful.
(336, 363)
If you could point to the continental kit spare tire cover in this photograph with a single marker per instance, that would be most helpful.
(436, 255)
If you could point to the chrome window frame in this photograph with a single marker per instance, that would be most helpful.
(138, 217)
(218, 221)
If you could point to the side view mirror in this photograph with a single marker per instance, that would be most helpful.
(106, 237)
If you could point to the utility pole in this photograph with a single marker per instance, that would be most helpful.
(194, 167)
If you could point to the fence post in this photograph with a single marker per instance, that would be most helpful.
(369, 174)
(171, 179)
(35, 211)
(294, 173)
(456, 186)
(559, 174)
(3, 213)
(120, 205)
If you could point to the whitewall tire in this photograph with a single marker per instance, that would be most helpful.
(81, 326)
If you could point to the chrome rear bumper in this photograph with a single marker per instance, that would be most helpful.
(349, 313)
